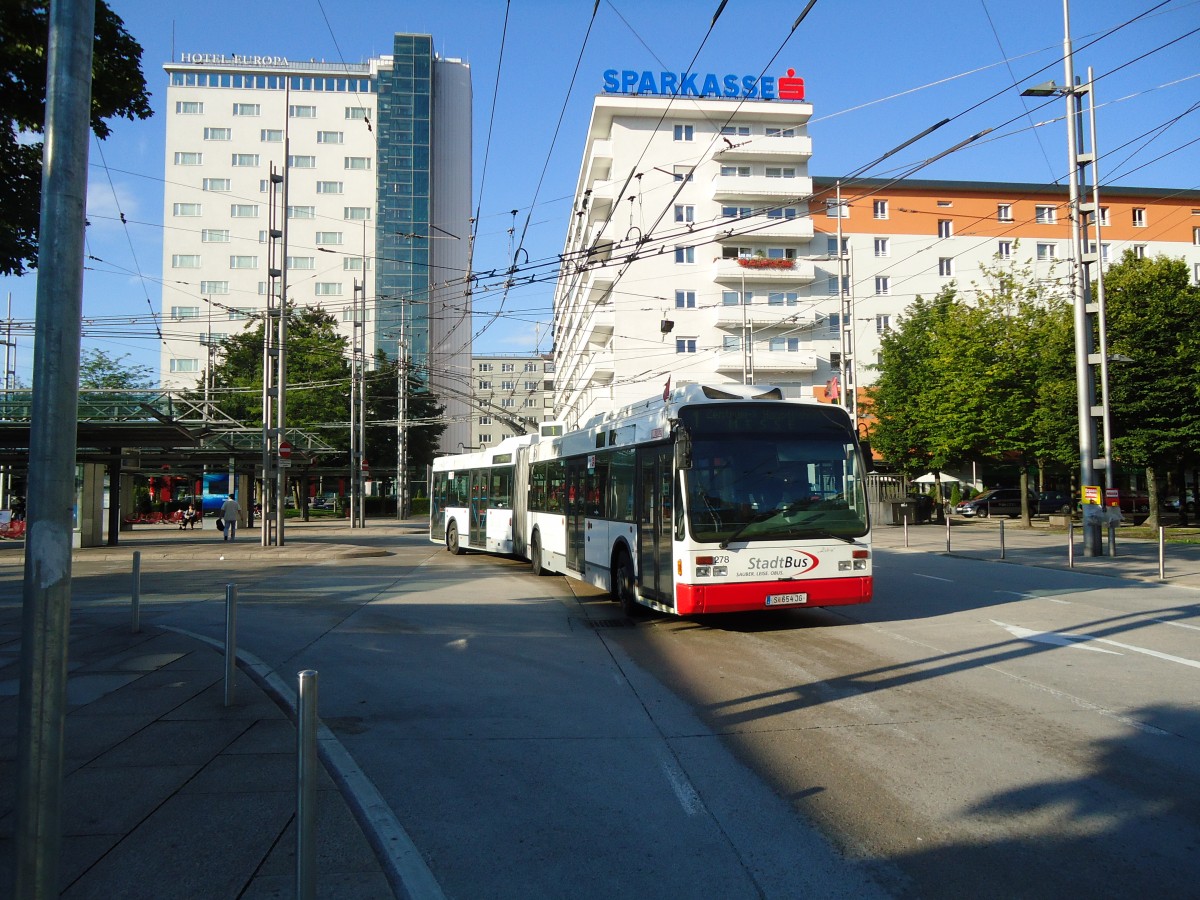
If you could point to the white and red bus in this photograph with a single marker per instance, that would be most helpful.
(707, 499)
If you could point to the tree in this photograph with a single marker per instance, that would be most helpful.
(118, 89)
(99, 370)
(423, 417)
(1154, 390)
(318, 376)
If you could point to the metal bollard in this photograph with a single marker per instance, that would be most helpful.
(136, 623)
(1112, 539)
(1162, 553)
(947, 534)
(1070, 545)
(1002, 539)
(906, 529)
(231, 594)
(306, 788)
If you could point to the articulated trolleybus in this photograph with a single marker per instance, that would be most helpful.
(705, 500)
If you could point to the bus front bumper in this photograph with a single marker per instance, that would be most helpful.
(695, 599)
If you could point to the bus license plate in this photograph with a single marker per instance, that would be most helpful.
(786, 599)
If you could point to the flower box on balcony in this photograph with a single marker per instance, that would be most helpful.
(760, 262)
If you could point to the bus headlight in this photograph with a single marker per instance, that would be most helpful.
(843, 565)
(720, 571)
(860, 564)
(702, 571)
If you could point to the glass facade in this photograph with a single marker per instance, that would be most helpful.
(402, 233)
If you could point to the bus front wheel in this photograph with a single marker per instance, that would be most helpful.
(623, 585)
(452, 543)
(535, 556)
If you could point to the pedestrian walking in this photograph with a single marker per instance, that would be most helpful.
(229, 512)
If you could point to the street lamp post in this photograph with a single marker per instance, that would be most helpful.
(1089, 319)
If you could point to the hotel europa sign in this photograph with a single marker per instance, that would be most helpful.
(696, 84)
(231, 59)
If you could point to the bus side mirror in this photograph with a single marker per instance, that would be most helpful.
(683, 449)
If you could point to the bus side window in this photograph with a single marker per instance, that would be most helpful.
(620, 486)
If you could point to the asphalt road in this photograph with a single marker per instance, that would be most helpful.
(979, 730)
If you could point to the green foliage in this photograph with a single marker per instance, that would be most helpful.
(118, 89)
(99, 370)
(423, 414)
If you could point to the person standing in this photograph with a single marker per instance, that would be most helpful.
(229, 512)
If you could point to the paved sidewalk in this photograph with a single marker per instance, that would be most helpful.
(167, 792)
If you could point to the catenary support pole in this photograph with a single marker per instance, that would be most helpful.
(1162, 553)
(306, 788)
(46, 593)
(1002, 539)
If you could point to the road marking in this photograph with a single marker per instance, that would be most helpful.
(684, 792)
(1073, 640)
(934, 578)
(1176, 624)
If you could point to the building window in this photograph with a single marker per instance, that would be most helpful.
(271, 135)
(781, 172)
(735, 171)
(302, 212)
(781, 132)
(485, 367)
(301, 262)
(1004, 212)
(185, 261)
(214, 235)
(684, 132)
(1139, 251)
(328, 288)
(882, 247)
(782, 212)
(302, 112)
(358, 162)
(735, 298)
(683, 173)
(245, 159)
(736, 253)
(215, 184)
(508, 403)
(883, 323)
(531, 385)
(185, 312)
(329, 137)
(736, 212)
(685, 345)
(880, 209)
(530, 367)
(1196, 273)
(356, 213)
(302, 162)
(1196, 236)
(1104, 248)
(833, 285)
(189, 159)
(185, 365)
(1047, 251)
(685, 299)
(945, 228)
(246, 109)
(328, 238)
(218, 134)
(1139, 217)
(244, 210)
(685, 254)
(243, 262)
(507, 367)
(835, 210)
(329, 187)
(1045, 215)
(882, 285)
(685, 213)
(356, 112)
(946, 266)
(1104, 216)
(186, 209)
(831, 245)
(736, 130)
(214, 287)
(1004, 250)
(237, 313)
(835, 324)
(731, 342)
(189, 107)
(355, 264)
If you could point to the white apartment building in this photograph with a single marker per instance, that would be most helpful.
(688, 253)
(378, 174)
(510, 390)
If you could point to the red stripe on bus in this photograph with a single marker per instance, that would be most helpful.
(693, 599)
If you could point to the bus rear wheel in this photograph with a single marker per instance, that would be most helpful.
(452, 543)
(535, 556)
(623, 585)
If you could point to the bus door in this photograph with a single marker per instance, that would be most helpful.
(656, 466)
(479, 508)
(576, 471)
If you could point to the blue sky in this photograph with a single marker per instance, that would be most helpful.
(876, 74)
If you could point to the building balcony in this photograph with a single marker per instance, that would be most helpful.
(761, 317)
(760, 187)
(600, 161)
(798, 228)
(597, 329)
(730, 271)
(768, 361)
(797, 148)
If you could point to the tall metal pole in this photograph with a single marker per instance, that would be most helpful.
(402, 414)
(9, 357)
(354, 449)
(1084, 387)
(1097, 259)
(281, 400)
(41, 711)
(362, 408)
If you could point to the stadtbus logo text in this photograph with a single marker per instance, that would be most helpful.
(800, 560)
(695, 84)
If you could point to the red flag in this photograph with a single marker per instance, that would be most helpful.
(667, 390)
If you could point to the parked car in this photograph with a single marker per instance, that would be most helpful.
(996, 502)
(1055, 503)
(1172, 502)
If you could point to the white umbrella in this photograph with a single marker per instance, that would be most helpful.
(928, 478)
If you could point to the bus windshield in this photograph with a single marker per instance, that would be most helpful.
(777, 472)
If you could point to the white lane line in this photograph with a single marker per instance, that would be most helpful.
(1066, 639)
(1055, 600)
(1176, 624)
(934, 578)
(684, 792)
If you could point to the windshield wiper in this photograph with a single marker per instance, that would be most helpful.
(824, 532)
(741, 529)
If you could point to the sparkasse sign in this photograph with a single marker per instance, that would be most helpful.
(695, 84)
